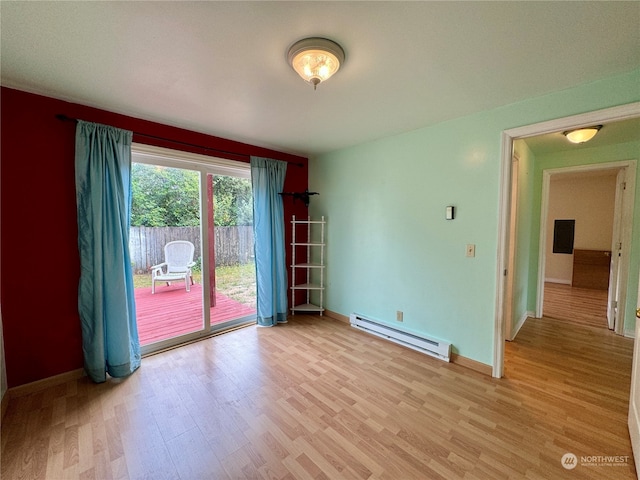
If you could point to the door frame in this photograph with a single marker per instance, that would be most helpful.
(622, 112)
(623, 215)
(620, 223)
(633, 421)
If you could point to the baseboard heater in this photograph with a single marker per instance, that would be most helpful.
(430, 346)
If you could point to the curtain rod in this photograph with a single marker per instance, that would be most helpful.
(64, 118)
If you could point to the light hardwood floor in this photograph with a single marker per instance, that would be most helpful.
(582, 306)
(316, 399)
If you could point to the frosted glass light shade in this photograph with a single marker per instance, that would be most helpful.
(315, 59)
(582, 135)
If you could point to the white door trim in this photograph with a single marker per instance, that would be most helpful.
(616, 247)
(623, 112)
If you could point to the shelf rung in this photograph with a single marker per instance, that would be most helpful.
(307, 286)
(307, 307)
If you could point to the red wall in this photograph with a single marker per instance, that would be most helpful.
(39, 264)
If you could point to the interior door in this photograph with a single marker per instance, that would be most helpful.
(634, 400)
(616, 252)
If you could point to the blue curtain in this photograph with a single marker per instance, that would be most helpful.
(105, 295)
(267, 181)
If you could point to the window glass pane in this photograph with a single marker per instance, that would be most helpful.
(235, 282)
(165, 245)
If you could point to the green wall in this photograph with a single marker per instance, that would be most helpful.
(389, 246)
(589, 156)
(524, 222)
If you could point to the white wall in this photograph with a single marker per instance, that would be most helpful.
(590, 201)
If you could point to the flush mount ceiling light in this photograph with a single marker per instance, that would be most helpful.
(315, 59)
(581, 135)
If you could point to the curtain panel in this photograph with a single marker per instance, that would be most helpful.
(267, 182)
(105, 294)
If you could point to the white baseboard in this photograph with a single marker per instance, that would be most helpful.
(563, 281)
(518, 326)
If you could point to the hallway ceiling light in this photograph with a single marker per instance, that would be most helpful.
(315, 59)
(582, 135)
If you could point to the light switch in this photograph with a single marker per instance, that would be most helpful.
(450, 212)
(471, 250)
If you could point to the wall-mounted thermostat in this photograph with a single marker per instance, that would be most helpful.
(451, 212)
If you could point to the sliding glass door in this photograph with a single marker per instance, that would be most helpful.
(191, 243)
(232, 265)
(166, 252)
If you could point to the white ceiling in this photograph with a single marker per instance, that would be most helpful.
(219, 67)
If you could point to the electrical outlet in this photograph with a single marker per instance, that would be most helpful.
(399, 316)
(471, 250)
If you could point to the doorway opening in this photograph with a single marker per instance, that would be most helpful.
(585, 282)
(527, 285)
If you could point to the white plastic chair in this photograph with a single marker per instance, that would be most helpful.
(178, 260)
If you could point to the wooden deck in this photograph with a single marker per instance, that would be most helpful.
(173, 311)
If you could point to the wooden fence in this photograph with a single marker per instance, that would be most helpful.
(233, 245)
